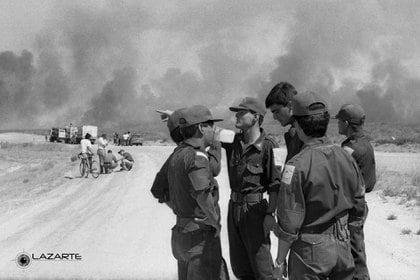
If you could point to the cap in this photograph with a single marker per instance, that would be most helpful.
(121, 151)
(304, 104)
(173, 119)
(251, 104)
(194, 115)
(353, 113)
(164, 114)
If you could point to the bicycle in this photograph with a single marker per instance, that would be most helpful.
(85, 169)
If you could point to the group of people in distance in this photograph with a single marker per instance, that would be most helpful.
(313, 201)
(107, 160)
(123, 140)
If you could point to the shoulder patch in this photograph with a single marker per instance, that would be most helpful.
(201, 154)
(288, 174)
(279, 157)
(348, 150)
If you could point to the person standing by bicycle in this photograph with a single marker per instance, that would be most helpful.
(102, 143)
(87, 150)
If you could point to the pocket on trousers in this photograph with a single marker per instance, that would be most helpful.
(181, 243)
(313, 247)
(186, 245)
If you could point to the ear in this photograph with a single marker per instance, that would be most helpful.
(200, 128)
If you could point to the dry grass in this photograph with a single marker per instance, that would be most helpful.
(41, 166)
(404, 184)
(415, 180)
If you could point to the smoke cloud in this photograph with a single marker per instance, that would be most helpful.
(114, 63)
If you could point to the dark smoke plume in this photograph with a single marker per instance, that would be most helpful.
(113, 64)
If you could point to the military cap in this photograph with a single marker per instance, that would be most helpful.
(353, 113)
(173, 119)
(304, 104)
(250, 104)
(194, 115)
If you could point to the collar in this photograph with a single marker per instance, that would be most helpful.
(356, 135)
(317, 142)
(192, 143)
(258, 144)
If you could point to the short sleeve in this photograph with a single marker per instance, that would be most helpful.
(198, 170)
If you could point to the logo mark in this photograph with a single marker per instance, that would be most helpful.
(23, 260)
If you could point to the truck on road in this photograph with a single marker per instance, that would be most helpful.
(82, 130)
(57, 134)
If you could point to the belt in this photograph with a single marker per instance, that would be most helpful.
(189, 224)
(250, 197)
(329, 227)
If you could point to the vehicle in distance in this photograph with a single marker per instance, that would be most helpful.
(136, 140)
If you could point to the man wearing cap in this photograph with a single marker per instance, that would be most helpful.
(252, 172)
(127, 160)
(196, 236)
(322, 190)
(160, 187)
(279, 102)
(351, 118)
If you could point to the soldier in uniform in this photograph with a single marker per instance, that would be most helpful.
(322, 191)
(252, 173)
(160, 187)
(279, 102)
(196, 236)
(351, 118)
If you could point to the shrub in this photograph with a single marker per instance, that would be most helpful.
(391, 217)
(405, 231)
(415, 180)
(4, 145)
(48, 165)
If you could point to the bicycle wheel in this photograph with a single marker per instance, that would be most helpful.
(82, 168)
(95, 169)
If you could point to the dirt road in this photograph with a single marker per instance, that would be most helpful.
(120, 231)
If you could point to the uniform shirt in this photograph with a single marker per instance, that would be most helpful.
(252, 170)
(293, 143)
(160, 187)
(361, 150)
(318, 184)
(127, 156)
(84, 144)
(188, 175)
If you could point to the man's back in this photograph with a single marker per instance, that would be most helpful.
(361, 150)
(127, 156)
(110, 158)
(326, 182)
(84, 144)
(183, 162)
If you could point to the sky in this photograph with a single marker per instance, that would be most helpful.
(112, 63)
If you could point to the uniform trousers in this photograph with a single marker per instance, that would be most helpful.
(199, 254)
(250, 254)
(325, 255)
